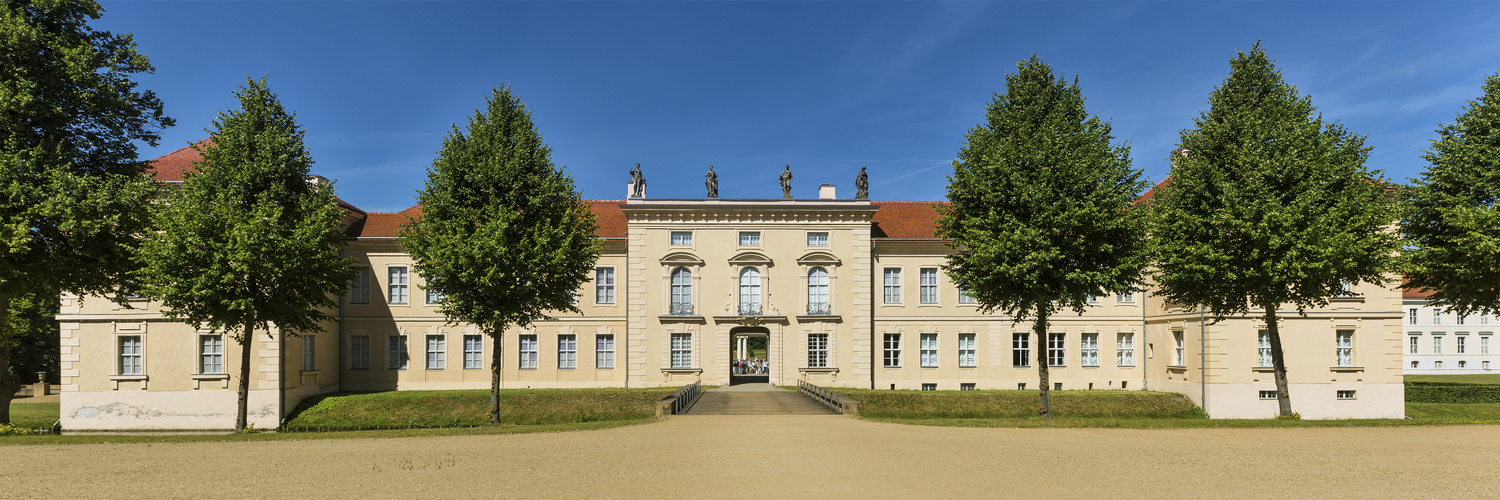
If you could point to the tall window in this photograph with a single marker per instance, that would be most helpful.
(817, 291)
(1437, 345)
(1125, 349)
(359, 352)
(1458, 344)
(1089, 349)
(604, 285)
(1177, 352)
(682, 238)
(604, 351)
(1264, 345)
(396, 352)
(682, 292)
(892, 350)
(817, 239)
(1343, 347)
(682, 350)
(892, 285)
(750, 292)
(473, 352)
(966, 350)
(309, 352)
(211, 354)
(397, 285)
(1056, 349)
(817, 350)
(567, 351)
(1437, 316)
(927, 280)
(1020, 349)
(1411, 316)
(1458, 319)
(750, 238)
(130, 355)
(359, 289)
(1484, 345)
(927, 343)
(1412, 344)
(437, 352)
(528, 352)
(964, 297)
(1125, 297)
(1484, 319)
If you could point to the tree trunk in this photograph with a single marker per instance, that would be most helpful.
(242, 418)
(8, 384)
(495, 379)
(1041, 357)
(1283, 395)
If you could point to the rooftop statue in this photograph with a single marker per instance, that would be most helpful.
(862, 185)
(638, 182)
(712, 180)
(786, 183)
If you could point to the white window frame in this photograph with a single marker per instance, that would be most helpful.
(473, 352)
(1437, 344)
(1412, 344)
(965, 298)
(396, 357)
(604, 351)
(359, 289)
(1124, 349)
(1088, 349)
(1263, 357)
(682, 238)
(359, 352)
(891, 350)
(929, 386)
(1020, 350)
(604, 285)
(892, 285)
(1460, 344)
(1179, 350)
(432, 296)
(927, 346)
(130, 355)
(681, 350)
(817, 291)
(680, 281)
(1411, 316)
(750, 291)
(1484, 344)
(1343, 348)
(398, 285)
(567, 351)
(817, 350)
(1125, 297)
(309, 353)
(527, 349)
(817, 238)
(967, 347)
(749, 238)
(1057, 349)
(1437, 316)
(927, 285)
(211, 354)
(437, 352)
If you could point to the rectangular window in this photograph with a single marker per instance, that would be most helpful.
(437, 352)
(817, 350)
(396, 352)
(682, 238)
(1125, 297)
(473, 352)
(211, 354)
(817, 239)
(1093, 299)
(892, 350)
(927, 344)
(604, 351)
(1263, 345)
(1412, 349)
(1178, 352)
(433, 296)
(1437, 316)
(1484, 345)
(1345, 395)
(1056, 354)
(604, 285)
(966, 387)
(1343, 347)
(1346, 289)
(359, 352)
(892, 285)
(682, 349)
(567, 351)
(397, 285)
(1484, 319)
(1437, 364)
(927, 280)
(966, 350)
(929, 387)
(1437, 345)
(749, 238)
(1458, 344)
(1268, 394)
(1089, 349)
(1020, 349)
(309, 353)
(359, 289)
(1411, 316)
(130, 355)
(528, 352)
(1125, 349)
(964, 297)
(1458, 319)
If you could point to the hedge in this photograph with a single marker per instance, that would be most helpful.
(1437, 392)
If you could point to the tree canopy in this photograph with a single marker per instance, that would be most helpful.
(72, 197)
(504, 236)
(1452, 220)
(1268, 204)
(1039, 209)
(248, 240)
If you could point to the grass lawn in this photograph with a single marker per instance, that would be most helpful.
(33, 415)
(1479, 378)
(468, 408)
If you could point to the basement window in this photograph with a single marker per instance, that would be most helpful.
(1345, 395)
(929, 387)
(1268, 394)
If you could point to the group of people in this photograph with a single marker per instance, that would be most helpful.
(753, 366)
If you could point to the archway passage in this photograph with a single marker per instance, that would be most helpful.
(749, 355)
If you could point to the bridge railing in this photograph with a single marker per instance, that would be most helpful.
(833, 400)
(678, 401)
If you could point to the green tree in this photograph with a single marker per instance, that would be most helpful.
(1268, 205)
(1039, 209)
(504, 236)
(248, 240)
(72, 197)
(1452, 219)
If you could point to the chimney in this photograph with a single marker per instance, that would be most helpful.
(825, 192)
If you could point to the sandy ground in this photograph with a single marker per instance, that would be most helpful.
(787, 456)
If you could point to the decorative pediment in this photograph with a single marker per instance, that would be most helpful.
(681, 259)
(750, 259)
(818, 259)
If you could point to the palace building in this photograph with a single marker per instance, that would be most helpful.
(837, 292)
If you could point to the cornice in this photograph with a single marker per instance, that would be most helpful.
(748, 211)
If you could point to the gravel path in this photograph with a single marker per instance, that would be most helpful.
(787, 456)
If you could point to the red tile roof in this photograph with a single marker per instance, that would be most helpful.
(611, 218)
(1413, 294)
(384, 224)
(1151, 193)
(173, 166)
(904, 219)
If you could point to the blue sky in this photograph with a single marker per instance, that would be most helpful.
(748, 87)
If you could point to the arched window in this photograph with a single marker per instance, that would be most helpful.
(682, 292)
(750, 292)
(817, 291)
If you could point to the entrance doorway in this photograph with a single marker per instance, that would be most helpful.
(749, 356)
